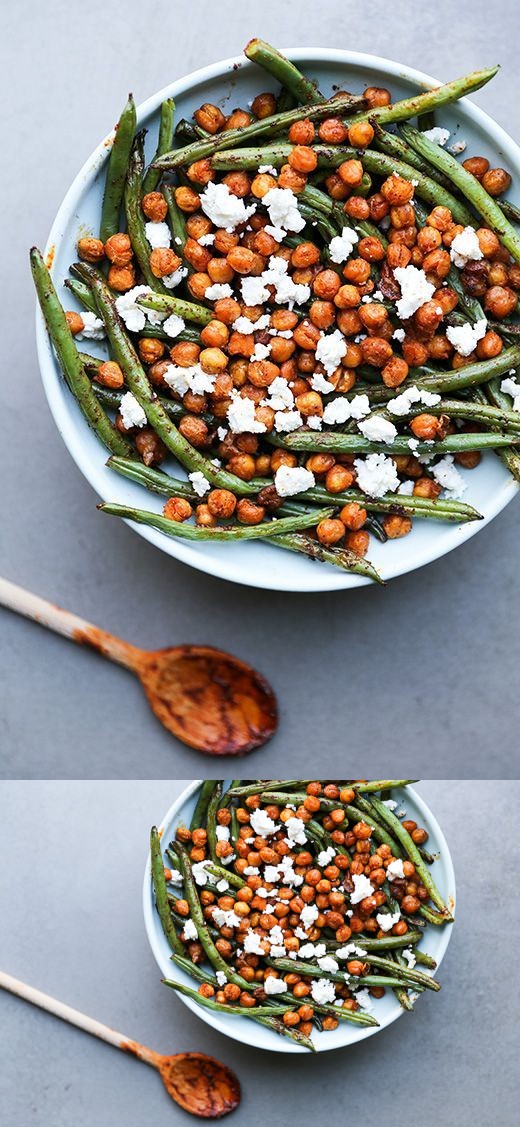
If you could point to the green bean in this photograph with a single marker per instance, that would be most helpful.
(166, 303)
(510, 210)
(471, 188)
(139, 385)
(161, 893)
(201, 806)
(116, 171)
(211, 821)
(218, 871)
(386, 942)
(134, 214)
(276, 64)
(382, 784)
(393, 145)
(221, 1007)
(69, 360)
(413, 853)
(264, 531)
(112, 399)
(176, 218)
(336, 442)
(429, 100)
(331, 156)
(167, 115)
(404, 972)
(441, 509)
(278, 1026)
(423, 958)
(207, 146)
(289, 966)
(465, 409)
(339, 557)
(83, 293)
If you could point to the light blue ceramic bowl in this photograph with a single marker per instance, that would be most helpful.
(386, 1010)
(231, 83)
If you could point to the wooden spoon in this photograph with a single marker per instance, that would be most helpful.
(208, 699)
(200, 1084)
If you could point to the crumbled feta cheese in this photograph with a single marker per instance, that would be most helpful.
(252, 944)
(217, 291)
(276, 233)
(447, 475)
(286, 421)
(93, 327)
(415, 290)
(403, 403)
(364, 1000)
(280, 396)
(510, 386)
(341, 246)
(200, 483)
(252, 871)
(350, 950)
(330, 350)
(189, 930)
(271, 874)
(362, 888)
(328, 964)
(131, 411)
(241, 417)
(377, 429)
(323, 991)
(389, 802)
(222, 885)
(131, 313)
(282, 205)
(300, 933)
(175, 877)
(395, 869)
(376, 475)
(222, 833)
(192, 379)
(200, 873)
(464, 247)
(308, 915)
(221, 978)
(269, 168)
(223, 208)
(274, 985)
(174, 325)
(260, 351)
(262, 824)
(158, 234)
(228, 860)
(410, 957)
(319, 383)
(325, 857)
(278, 951)
(457, 147)
(437, 134)
(172, 280)
(413, 443)
(399, 335)
(312, 950)
(314, 422)
(246, 327)
(290, 480)
(341, 409)
(296, 831)
(225, 919)
(386, 920)
(465, 338)
(254, 290)
(206, 240)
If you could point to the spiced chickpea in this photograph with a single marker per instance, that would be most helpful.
(109, 374)
(194, 430)
(353, 516)
(351, 172)
(500, 301)
(154, 207)
(330, 531)
(396, 526)
(426, 487)
(303, 159)
(332, 131)
(210, 118)
(150, 350)
(118, 249)
(187, 199)
(357, 542)
(164, 261)
(290, 178)
(178, 509)
(150, 447)
(376, 96)
(121, 278)
(90, 249)
(496, 181)
(338, 478)
(302, 132)
(221, 503)
(476, 165)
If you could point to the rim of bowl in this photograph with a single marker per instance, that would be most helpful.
(224, 567)
(213, 1018)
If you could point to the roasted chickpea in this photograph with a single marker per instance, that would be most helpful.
(476, 165)
(118, 249)
(90, 249)
(330, 531)
(74, 321)
(396, 526)
(150, 350)
(351, 172)
(332, 131)
(221, 503)
(376, 96)
(302, 132)
(496, 181)
(109, 374)
(154, 207)
(210, 118)
(164, 261)
(121, 278)
(303, 159)
(178, 509)
(357, 542)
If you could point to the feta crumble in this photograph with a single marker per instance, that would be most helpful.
(328, 964)
(172, 280)
(262, 824)
(221, 978)
(131, 411)
(465, 338)
(323, 991)
(330, 350)
(158, 234)
(287, 421)
(274, 985)
(465, 247)
(341, 409)
(296, 831)
(362, 888)
(446, 474)
(325, 857)
(378, 429)
(174, 325)
(395, 868)
(376, 475)
(93, 327)
(438, 135)
(241, 417)
(364, 1000)
(290, 480)
(189, 930)
(386, 920)
(200, 483)
(308, 915)
(341, 246)
(282, 205)
(410, 957)
(510, 386)
(415, 290)
(218, 290)
(223, 208)
(131, 313)
(403, 403)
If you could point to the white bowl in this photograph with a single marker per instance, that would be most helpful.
(230, 83)
(248, 1032)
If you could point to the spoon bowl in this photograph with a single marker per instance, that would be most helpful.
(200, 1084)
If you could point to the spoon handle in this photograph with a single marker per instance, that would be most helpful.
(75, 1017)
(68, 624)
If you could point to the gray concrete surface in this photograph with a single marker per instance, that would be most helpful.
(421, 671)
(71, 923)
